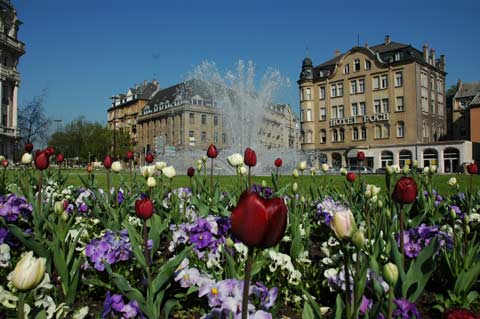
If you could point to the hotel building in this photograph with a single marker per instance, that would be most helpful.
(11, 49)
(386, 100)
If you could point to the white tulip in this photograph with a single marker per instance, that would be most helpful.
(160, 165)
(241, 170)
(426, 170)
(325, 167)
(406, 169)
(235, 160)
(28, 272)
(433, 169)
(204, 158)
(415, 164)
(295, 173)
(151, 182)
(2, 158)
(343, 171)
(313, 171)
(302, 165)
(169, 172)
(452, 182)
(27, 159)
(116, 167)
(295, 187)
(371, 191)
(147, 171)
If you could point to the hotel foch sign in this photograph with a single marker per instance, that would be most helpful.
(352, 120)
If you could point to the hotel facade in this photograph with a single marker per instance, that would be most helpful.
(387, 100)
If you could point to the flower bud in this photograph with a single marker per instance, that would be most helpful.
(41, 161)
(433, 169)
(107, 162)
(472, 169)
(212, 152)
(28, 272)
(241, 170)
(343, 224)
(129, 155)
(190, 172)
(415, 164)
(325, 167)
(379, 204)
(388, 213)
(343, 171)
(426, 170)
(147, 171)
(360, 156)
(58, 207)
(278, 162)
(160, 165)
(27, 159)
(359, 239)
(2, 158)
(264, 183)
(151, 182)
(295, 173)
(64, 216)
(302, 199)
(205, 158)
(312, 171)
(169, 172)
(351, 177)
(452, 182)
(453, 213)
(60, 158)
(116, 167)
(405, 191)
(28, 147)
(302, 166)
(406, 169)
(295, 188)
(467, 230)
(390, 170)
(250, 157)
(390, 273)
(89, 168)
(229, 242)
(144, 208)
(149, 158)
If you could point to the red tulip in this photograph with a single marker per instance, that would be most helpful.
(190, 172)
(107, 162)
(351, 177)
(89, 168)
(149, 158)
(59, 159)
(144, 208)
(460, 314)
(37, 152)
(360, 156)
(212, 151)
(250, 158)
(472, 169)
(405, 191)
(259, 222)
(41, 161)
(5, 163)
(50, 151)
(129, 155)
(278, 162)
(28, 147)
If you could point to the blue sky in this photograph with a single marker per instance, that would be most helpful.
(83, 52)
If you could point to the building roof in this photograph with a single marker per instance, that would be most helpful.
(392, 46)
(468, 90)
(186, 89)
(475, 101)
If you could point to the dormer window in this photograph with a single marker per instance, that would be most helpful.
(346, 69)
(356, 65)
(368, 65)
(397, 56)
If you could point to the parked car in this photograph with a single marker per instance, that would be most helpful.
(362, 169)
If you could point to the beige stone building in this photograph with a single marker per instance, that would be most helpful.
(123, 112)
(184, 117)
(387, 100)
(11, 49)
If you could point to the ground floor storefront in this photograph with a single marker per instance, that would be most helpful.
(449, 156)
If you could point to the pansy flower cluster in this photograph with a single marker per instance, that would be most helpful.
(417, 238)
(225, 296)
(12, 207)
(326, 209)
(206, 234)
(438, 199)
(182, 195)
(112, 248)
(265, 192)
(115, 307)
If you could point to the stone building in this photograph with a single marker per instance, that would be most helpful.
(387, 100)
(123, 112)
(11, 49)
(185, 117)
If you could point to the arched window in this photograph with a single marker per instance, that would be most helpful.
(309, 137)
(425, 130)
(355, 133)
(334, 135)
(386, 158)
(405, 158)
(400, 129)
(363, 135)
(430, 157)
(342, 135)
(323, 136)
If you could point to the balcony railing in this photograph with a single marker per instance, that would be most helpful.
(12, 42)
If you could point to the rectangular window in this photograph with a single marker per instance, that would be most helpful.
(423, 79)
(334, 112)
(361, 85)
(432, 83)
(368, 65)
(397, 56)
(400, 107)
(204, 136)
(363, 109)
(308, 94)
(346, 69)
(341, 112)
(323, 114)
(385, 105)
(439, 86)
(376, 82)
(334, 90)
(400, 130)
(309, 115)
(355, 133)
(215, 120)
(191, 134)
(398, 79)
(323, 136)
(377, 108)
(340, 89)
(204, 119)
(322, 93)
(384, 81)
(192, 118)
(354, 109)
(424, 104)
(356, 65)
(215, 137)
(353, 87)
(363, 133)
(224, 138)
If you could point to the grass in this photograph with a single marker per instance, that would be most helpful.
(227, 182)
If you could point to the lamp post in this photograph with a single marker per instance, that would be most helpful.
(114, 100)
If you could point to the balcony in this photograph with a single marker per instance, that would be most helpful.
(8, 131)
(12, 43)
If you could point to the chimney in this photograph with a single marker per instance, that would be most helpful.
(155, 82)
(387, 40)
(442, 61)
(366, 45)
(337, 52)
(425, 52)
(432, 56)
(144, 82)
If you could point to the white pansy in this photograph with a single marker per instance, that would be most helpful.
(116, 167)
(7, 299)
(160, 165)
(235, 159)
(4, 255)
(81, 313)
(27, 158)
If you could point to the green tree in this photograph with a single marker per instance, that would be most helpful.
(87, 140)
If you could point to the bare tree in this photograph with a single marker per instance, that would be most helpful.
(32, 121)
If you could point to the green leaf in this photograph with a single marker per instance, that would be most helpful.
(169, 305)
(41, 315)
(466, 280)
(166, 271)
(307, 311)
(339, 307)
(231, 266)
(313, 304)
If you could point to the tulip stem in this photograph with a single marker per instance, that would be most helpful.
(108, 185)
(146, 252)
(249, 177)
(21, 306)
(347, 283)
(390, 302)
(246, 283)
(402, 240)
(211, 177)
(40, 191)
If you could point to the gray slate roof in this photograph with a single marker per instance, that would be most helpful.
(468, 90)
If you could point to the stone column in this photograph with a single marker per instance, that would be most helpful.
(440, 164)
(15, 107)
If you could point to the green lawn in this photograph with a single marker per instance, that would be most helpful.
(226, 182)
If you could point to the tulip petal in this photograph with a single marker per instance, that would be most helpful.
(249, 219)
